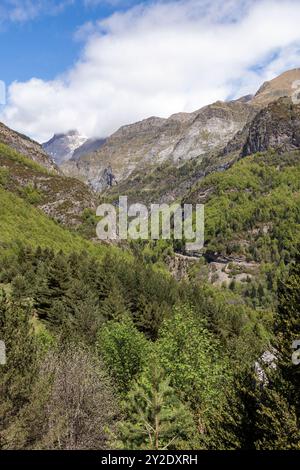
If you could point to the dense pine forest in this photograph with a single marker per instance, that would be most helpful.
(114, 354)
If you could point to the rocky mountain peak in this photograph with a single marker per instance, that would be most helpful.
(62, 146)
(281, 86)
(155, 140)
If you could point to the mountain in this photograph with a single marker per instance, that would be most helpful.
(72, 145)
(277, 88)
(181, 137)
(62, 146)
(90, 145)
(27, 147)
(141, 147)
(276, 126)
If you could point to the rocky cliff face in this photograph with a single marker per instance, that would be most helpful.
(89, 146)
(27, 147)
(181, 137)
(277, 126)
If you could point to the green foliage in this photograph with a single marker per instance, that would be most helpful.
(87, 228)
(31, 194)
(263, 412)
(23, 224)
(12, 154)
(18, 373)
(90, 329)
(124, 350)
(191, 358)
(4, 176)
(154, 416)
(256, 200)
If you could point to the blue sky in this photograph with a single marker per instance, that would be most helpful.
(94, 65)
(45, 45)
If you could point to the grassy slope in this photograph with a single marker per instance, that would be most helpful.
(21, 223)
(22, 159)
(62, 198)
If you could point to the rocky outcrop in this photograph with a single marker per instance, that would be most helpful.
(179, 265)
(277, 127)
(27, 147)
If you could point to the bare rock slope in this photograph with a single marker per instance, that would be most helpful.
(181, 137)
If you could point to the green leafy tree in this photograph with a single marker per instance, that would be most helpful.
(191, 358)
(124, 350)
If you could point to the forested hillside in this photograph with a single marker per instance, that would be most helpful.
(107, 347)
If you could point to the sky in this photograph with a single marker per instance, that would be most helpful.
(95, 65)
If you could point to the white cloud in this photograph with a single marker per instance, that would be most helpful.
(160, 59)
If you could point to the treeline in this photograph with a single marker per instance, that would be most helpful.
(116, 354)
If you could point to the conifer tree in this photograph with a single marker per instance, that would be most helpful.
(19, 372)
(155, 417)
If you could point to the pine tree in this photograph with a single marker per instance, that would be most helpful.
(114, 306)
(18, 375)
(236, 426)
(156, 419)
(84, 310)
(50, 296)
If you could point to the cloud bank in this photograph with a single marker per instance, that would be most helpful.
(158, 59)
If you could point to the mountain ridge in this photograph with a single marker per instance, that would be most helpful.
(181, 137)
